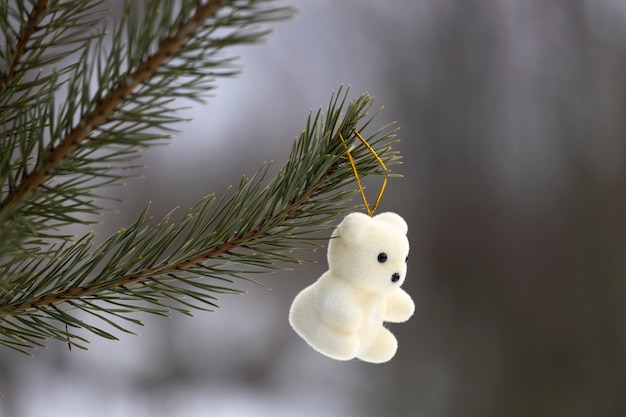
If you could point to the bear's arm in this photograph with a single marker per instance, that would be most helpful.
(339, 310)
(400, 306)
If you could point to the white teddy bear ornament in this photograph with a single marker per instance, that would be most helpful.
(341, 315)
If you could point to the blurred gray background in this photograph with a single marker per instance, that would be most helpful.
(513, 128)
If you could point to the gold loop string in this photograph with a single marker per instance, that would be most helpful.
(370, 211)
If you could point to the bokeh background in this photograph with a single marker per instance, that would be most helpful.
(513, 128)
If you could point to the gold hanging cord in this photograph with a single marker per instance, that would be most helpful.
(370, 211)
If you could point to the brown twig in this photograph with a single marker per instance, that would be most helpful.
(26, 32)
(107, 106)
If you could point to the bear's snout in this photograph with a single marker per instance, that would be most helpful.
(395, 277)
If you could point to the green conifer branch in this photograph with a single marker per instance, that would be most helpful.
(182, 266)
(37, 38)
(160, 50)
(108, 105)
(28, 29)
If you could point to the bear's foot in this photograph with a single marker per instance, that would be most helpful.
(382, 348)
(335, 344)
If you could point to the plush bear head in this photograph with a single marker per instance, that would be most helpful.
(370, 252)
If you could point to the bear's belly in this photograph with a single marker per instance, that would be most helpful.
(372, 321)
(376, 314)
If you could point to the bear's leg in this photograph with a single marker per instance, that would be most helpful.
(326, 339)
(336, 344)
(382, 348)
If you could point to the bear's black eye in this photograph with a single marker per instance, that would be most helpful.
(382, 257)
(406, 260)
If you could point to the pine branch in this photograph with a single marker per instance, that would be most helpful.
(180, 266)
(161, 50)
(28, 29)
(49, 32)
(109, 104)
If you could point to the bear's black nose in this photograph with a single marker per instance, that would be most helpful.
(395, 277)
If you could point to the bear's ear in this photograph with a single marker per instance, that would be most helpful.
(393, 219)
(353, 226)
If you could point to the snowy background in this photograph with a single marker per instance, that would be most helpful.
(513, 128)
